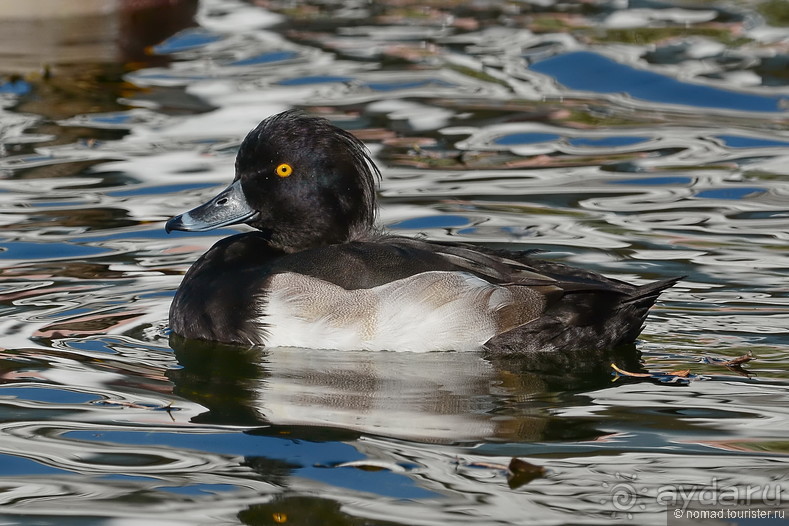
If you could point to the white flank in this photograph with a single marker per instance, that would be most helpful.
(431, 311)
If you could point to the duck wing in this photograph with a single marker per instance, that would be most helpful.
(583, 310)
(495, 267)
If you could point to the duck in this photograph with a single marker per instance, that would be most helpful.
(316, 272)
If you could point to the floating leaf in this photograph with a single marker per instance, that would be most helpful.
(734, 365)
(745, 358)
(682, 377)
(628, 373)
(522, 472)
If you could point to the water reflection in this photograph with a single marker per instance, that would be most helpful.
(43, 34)
(586, 71)
(301, 510)
(68, 58)
(99, 414)
(431, 397)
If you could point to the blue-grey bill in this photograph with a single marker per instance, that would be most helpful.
(228, 208)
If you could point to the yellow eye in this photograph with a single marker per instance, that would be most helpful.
(284, 170)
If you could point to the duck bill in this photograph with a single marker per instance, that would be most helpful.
(228, 208)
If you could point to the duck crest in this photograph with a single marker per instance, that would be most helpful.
(330, 195)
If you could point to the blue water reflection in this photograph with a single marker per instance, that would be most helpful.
(730, 193)
(15, 87)
(526, 138)
(13, 465)
(24, 250)
(607, 142)
(588, 71)
(266, 58)
(738, 141)
(314, 460)
(437, 221)
(314, 79)
(186, 40)
(664, 180)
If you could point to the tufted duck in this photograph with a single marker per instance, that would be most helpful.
(317, 274)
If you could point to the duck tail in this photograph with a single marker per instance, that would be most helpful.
(584, 318)
(647, 295)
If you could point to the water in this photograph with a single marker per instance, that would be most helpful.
(643, 141)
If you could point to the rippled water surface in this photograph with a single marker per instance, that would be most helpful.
(644, 141)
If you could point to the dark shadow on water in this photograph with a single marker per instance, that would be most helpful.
(221, 377)
(320, 395)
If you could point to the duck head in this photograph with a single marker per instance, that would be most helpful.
(300, 180)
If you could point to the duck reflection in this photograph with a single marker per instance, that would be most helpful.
(441, 397)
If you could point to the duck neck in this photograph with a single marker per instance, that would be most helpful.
(311, 236)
